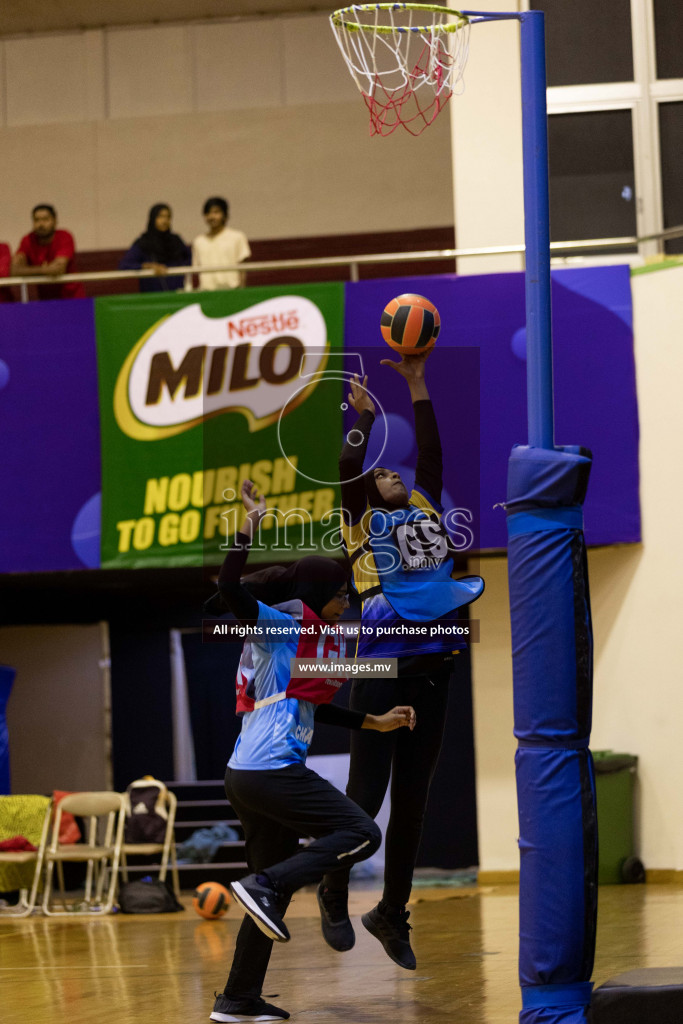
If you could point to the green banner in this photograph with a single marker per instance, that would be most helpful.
(200, 391)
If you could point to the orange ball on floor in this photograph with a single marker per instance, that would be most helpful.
(211, 900)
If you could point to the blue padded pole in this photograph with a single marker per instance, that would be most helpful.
(537, 232)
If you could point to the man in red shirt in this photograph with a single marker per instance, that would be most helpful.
(48, 250)
(5, 271)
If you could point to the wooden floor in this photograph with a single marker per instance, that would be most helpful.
(135, 969)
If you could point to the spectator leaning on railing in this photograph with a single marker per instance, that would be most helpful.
(220, 246)
(48, 250)
(5, 271)
(158, 249)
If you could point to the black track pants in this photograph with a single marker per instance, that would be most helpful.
(409, 757)
(276, 807)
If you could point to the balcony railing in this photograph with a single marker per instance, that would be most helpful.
(586, 247)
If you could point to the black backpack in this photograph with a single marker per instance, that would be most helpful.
(147, 897)
(146, 811)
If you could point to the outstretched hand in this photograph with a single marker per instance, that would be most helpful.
(359, 398)
(410, 367)
(394, 719)
(251, 502)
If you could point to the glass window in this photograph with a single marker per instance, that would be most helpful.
(587, 42)
(669, 38)
(671, 148)
(592, 183)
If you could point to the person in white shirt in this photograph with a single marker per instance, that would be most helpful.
(220, 245)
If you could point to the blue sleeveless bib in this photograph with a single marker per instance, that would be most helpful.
(414, 563)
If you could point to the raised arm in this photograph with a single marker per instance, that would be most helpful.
(429, 469)
(236, 597)
(352, 457)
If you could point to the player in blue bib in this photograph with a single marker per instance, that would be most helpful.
(402, 560)
(276, 797)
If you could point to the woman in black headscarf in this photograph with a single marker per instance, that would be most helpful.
(293, 613)
(158, 249)
(402, 561)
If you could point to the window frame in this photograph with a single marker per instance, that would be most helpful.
(642, 96)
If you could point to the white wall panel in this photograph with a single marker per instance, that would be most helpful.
(315, 71)
(237, 65)
(56, 713)
(95, 71)
(286, 172)
(149, 71)
(486, 125)
(289, 164)
(3, 92)
(50, 164)
(47, 80)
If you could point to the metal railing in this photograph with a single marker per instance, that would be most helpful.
(352, 262)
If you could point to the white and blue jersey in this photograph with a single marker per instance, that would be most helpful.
(278, 733)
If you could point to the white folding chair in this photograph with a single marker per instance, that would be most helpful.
(104, 816)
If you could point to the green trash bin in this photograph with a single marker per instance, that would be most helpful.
(614, 782)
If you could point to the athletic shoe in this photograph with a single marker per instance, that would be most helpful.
(390, 926)
(261, 903)
(334, 918)
(231, 1011)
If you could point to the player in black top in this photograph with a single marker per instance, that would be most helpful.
(409, 757)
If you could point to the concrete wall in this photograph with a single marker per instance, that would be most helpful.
(637, 605)
(486, 131)
(57, 714)
(104, 123)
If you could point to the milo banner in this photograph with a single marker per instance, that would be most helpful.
(199, 392)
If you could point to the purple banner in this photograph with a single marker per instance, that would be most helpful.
(482, 349)
(49, 424)
(50, 463)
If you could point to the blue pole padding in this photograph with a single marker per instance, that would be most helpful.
(7, 675)
(537, 232)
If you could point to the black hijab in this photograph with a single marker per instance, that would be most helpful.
(313, 580)
(162, 246)
(375, 499)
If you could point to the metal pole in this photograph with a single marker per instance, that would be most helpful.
(537, 232)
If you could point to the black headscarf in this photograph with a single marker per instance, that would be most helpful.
(313, 580)
(162, 246)
(375, 499)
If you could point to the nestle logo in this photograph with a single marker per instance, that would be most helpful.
(189, 366)
(253, 326)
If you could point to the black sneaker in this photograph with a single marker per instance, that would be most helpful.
(334, 918)
(230, 1011)
(391, 927)
(261, 903)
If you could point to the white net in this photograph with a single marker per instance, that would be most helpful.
(406, 59)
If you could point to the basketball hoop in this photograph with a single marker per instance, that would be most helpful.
(406, 59)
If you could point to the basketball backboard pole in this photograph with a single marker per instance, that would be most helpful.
(551, 629)
(539, 348)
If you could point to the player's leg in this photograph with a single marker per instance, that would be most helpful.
(369, 771)
(311, 806)
(342, 832)
(415, 758)
(266, 843)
